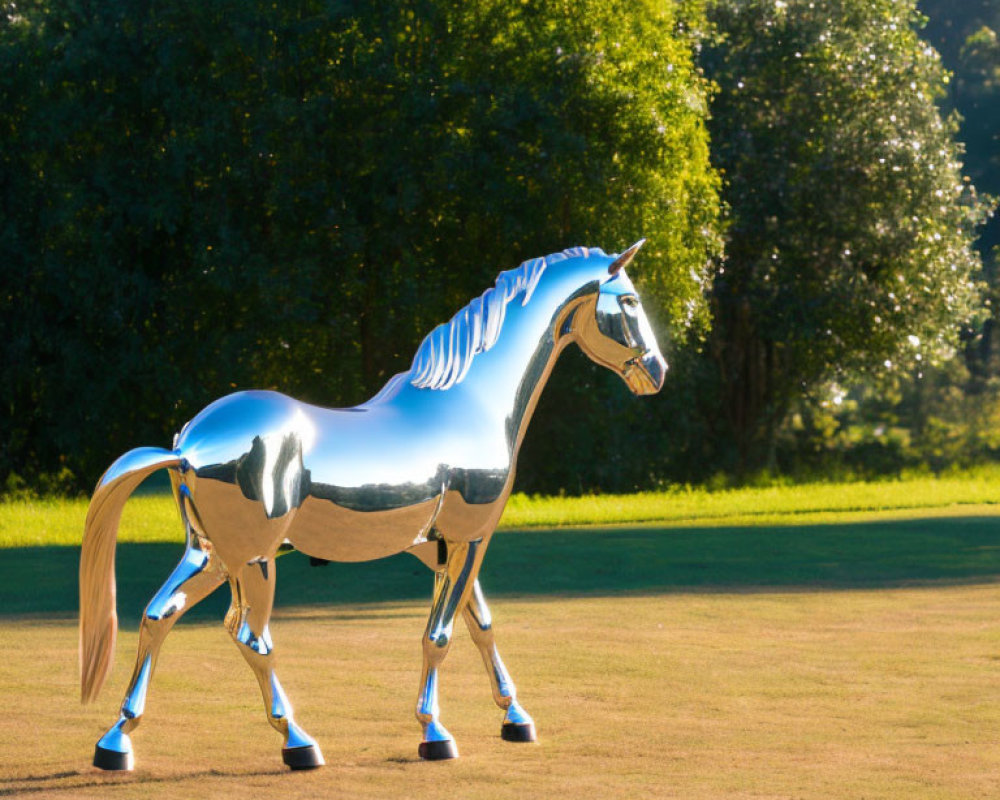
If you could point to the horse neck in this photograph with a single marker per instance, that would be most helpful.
(536, 376)
(511, 376)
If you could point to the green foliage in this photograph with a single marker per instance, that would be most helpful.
(196, 197)
(966, 35)
(850, 225)
(202, 197)
(939, 421)
(947, 415)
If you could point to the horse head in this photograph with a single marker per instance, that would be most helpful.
(612, 329)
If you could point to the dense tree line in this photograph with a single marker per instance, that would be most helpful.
(849, 275)
(848, 251)
(966, 35)
(947, 413)
(201, 197)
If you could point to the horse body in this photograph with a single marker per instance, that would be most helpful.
(338, 484)
(426, 465)
(360, 483)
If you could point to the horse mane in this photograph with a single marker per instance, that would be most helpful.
(446, 353)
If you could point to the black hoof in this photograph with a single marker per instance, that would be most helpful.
(302, 757)
(438, 751)
(112, 760)
(518, 732)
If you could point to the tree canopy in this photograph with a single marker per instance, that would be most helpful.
(849, 231)
(197, 197)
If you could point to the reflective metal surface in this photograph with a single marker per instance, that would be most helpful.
(425, 466)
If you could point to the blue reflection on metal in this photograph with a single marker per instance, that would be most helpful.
(425, 466)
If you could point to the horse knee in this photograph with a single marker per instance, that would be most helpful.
(436, 644)
(166, 606)
(258, 644)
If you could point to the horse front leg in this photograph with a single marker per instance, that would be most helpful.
(196, 576)
(248, 623)
(451, 590)
(517, 725)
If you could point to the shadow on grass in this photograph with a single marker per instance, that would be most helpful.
(66, 784)
(566, 562)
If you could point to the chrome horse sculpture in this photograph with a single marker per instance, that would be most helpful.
(425, 466)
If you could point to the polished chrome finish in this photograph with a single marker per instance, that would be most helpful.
(193, 579)
(247, 622)
(517, 725)
(424, 466)
(625, 258)
(451, 590)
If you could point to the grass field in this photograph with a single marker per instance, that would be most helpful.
(852, 694)
(790, 644)
(152, 517)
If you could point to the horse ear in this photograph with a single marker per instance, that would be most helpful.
(623, 260)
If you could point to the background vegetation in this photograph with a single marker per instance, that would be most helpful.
(198, 198)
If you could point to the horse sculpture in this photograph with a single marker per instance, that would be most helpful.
(425, 466)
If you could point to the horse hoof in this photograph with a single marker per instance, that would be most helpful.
(438, 750)
(113, 760)
(518, 732)
(308, 757)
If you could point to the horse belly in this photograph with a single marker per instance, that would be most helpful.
(459, 520)
(323, 529)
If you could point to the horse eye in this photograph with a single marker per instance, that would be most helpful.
(630, 301)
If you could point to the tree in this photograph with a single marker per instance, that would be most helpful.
(848, 247)
(966, 35)
(197, 197)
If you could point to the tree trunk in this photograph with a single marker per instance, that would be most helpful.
(749, 376)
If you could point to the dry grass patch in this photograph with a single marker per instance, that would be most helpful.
(773, 694)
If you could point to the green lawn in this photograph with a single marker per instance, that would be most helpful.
(811, 502)
(887, 533)
(151, 517)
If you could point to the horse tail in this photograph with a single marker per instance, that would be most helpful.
(98, 618)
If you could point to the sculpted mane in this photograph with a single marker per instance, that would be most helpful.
(445, 355)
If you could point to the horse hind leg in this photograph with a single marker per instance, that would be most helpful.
(247, 621)
(517, 725)
(196, 576)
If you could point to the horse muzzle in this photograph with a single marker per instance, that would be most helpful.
(645, 374)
